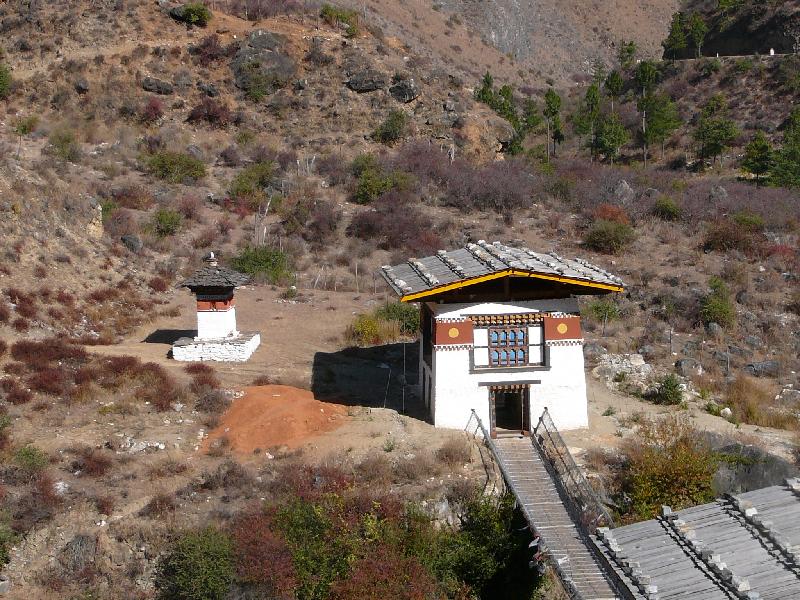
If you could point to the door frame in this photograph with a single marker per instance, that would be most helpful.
(525, 399)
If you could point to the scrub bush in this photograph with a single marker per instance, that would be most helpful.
(174, 167)
(717, 306)
(198, 566)
(392, 129)
(166, 222)
(667, 209)
(610, 237)
(261, 262)
(666, 463)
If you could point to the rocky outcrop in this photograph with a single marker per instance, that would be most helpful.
(261, 66)
(157, 86)
(404, 90)
(367, 80)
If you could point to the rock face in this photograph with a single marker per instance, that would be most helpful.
(157, 86)
(623, 192)
(629, 370)
(767, 368)
(132, 242)
(404, 90)
(209, 89)
(94, 228)
(260, 65)
(367, 80)
(686, 367)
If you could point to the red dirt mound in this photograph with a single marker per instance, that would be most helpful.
(275, 415)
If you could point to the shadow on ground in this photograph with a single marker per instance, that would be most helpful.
(168, 336)
(372, 377)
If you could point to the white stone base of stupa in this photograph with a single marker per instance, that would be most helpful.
(236, 348)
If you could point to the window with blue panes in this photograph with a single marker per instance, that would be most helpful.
(507, 347)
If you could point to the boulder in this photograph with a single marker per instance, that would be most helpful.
(718, 194)
(715, 329)
(767, 368)
(404, 90)
(686, 367)
(623, 192)
(81, 86)
(367, 80)
(260, 65)
(753, 341)
(593, 350)
(194, 151)
(157, 86)
(209, 89)
(788, 397)
(132, 242)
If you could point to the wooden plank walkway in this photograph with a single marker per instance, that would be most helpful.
(547, 515)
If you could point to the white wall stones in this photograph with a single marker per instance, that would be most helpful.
(236, 349)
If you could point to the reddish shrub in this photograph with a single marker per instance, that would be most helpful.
(152, 111)
(198, 367)
(384, 572)
(7, 384)
(33, 352)
(781, 251)
(14, 368)
(159, 505)
(18, 297)
(210, 50)
(19, 396)
(190, 206)
(3, 347)
(724, 235)
(203, 382)
(5, 313)
(93, 462)
(205, 239)
(396, 224)
(27, 310)
(20, 325)
(210, 111)
(610, 212)
(262, 556)
(121, 222)
(65, 298)
(158, 284)
(105, 504)
(105, 294)
(51, 380)
(136, 197)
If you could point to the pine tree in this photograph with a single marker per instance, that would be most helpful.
(661, 119)
(715, 131)
(552, 108)
(646, 76)
(611, 136)
(586, 118)
(786, 166)
(627, 54)
(676, 40)
(697, 32)
(614, 84)
(758, 156)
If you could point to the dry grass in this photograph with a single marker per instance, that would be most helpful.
(751, 401)
(455, 452)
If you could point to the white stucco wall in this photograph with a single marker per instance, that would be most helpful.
(216, 324)
(456, 391)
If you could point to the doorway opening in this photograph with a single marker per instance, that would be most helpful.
(510, 409)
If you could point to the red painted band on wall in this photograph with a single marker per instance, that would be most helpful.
(562, 328)
(451, 334)
(214, 305)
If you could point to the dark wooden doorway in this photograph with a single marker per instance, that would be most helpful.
(509, 407)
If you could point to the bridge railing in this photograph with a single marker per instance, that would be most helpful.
(560, 567)
(581, 499)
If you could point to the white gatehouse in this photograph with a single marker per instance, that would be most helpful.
(501, 334)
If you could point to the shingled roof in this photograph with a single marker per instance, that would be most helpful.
(484, 261)
(213, 276)
(745, 546)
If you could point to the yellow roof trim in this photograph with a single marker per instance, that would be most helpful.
(505, 273)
